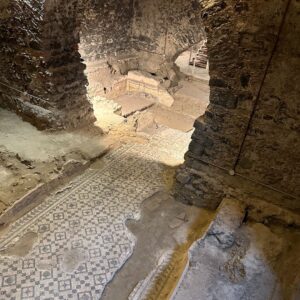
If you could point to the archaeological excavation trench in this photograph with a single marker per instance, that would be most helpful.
(149, 149)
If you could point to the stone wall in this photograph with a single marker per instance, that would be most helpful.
(106, 29)
(161, 30)
(271, 153)
(40, 57)
(134, 34)
(105, 42)
(43, 55)
(252, 123)
(66, 81)
(22, 59)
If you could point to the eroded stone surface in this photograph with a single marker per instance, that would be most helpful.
(252, 265)
(251, 124)
(22, 246)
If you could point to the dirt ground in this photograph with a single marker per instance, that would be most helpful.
(29, 157)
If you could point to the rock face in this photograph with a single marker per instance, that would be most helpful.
(21, 58)
(105, 28)
(272, 144)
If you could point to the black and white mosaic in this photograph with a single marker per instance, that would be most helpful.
(85, 223)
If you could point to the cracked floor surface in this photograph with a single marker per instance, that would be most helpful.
(78, 235)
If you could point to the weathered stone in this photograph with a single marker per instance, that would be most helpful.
(183, 178)
(229, 218)
(257, 137)
(48, 66)
(252, 123)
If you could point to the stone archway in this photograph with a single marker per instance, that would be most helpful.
(56, 83)
(139, 43)
(193, 61)
(245, 46)
(238, 132)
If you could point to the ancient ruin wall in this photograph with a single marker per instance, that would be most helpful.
(66, 82)
(271, 152)
(22, 59)
(251, 125)
(161, 30)
(40, 57)
(106, 29)
(105, 42)
(241, 44)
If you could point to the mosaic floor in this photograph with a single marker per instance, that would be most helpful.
(84, 223)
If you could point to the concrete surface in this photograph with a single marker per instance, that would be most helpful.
(104, 110)
(191, 97)
(172, 119)
(131, 103)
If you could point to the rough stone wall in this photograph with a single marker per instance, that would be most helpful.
(161, 30)
(39, 56)
(19, 43)
(66, 81)
(105, 41)
(106, 29)
(241, 42)
(22, 58)
(43, 58)
(252, 123)
(271, 153)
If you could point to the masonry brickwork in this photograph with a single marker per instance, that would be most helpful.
(252, 123)
(251, 126)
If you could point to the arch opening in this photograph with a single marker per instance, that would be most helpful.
(194, 61)
(243, 147)
(126, 79)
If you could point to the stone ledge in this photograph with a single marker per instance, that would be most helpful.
(37, 195)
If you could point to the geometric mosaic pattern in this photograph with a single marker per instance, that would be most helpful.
(87, 218)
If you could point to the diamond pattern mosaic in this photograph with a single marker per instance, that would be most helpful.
(85, 223)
